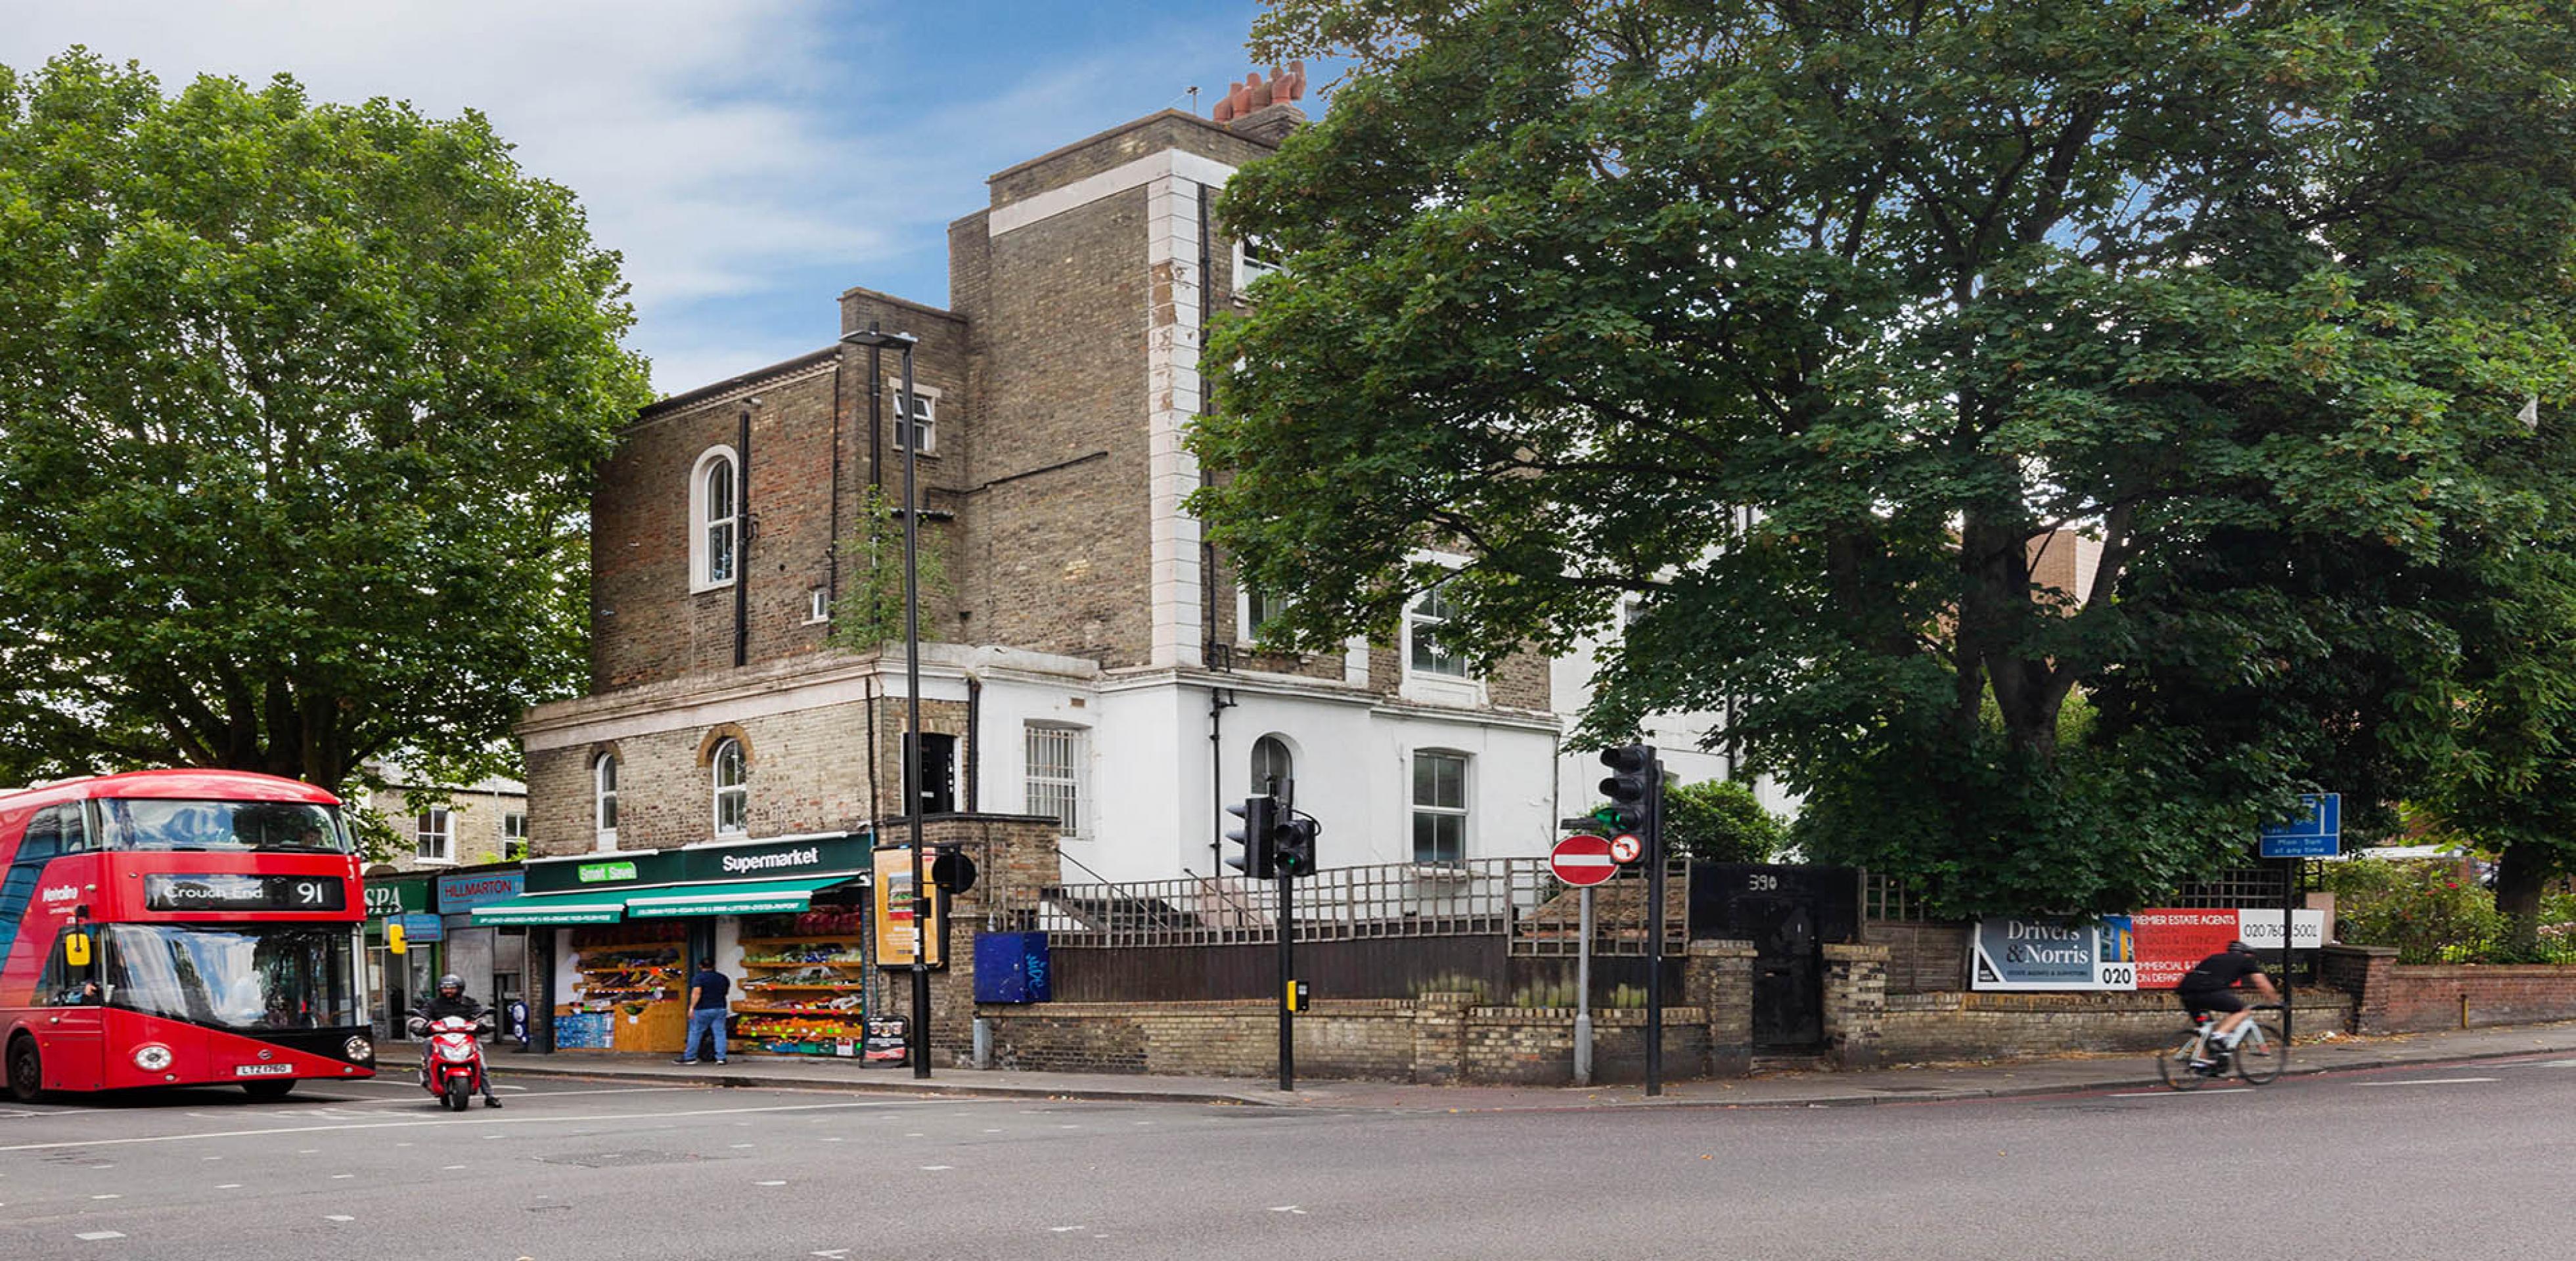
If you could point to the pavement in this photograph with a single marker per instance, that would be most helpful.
(1908, 1084)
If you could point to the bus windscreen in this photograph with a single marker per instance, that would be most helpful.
(143, 823)
(243, 979)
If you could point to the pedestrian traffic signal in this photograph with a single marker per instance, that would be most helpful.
(1632, 785)
(1292, 849)
(1260, 817)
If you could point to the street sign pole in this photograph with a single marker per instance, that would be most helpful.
(1583, 996)
(1655, 928)
(2290, 873)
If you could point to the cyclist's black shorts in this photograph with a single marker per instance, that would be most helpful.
(2198, 1001)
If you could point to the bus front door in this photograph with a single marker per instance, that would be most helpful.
(70, 1037)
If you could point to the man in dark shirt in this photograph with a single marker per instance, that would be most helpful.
(452, 1000)
(707, 1010)
(2210, 986)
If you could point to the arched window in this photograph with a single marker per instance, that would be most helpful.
(603, 796)
(715, 519)
(733, 787)
(1273, 766)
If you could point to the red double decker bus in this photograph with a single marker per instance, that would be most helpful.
(182, 927)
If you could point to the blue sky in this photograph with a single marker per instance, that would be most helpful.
(750, 158)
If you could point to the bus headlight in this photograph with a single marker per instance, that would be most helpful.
(152, 1057)
(359, 1049)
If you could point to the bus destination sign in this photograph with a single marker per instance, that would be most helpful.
(232, 891)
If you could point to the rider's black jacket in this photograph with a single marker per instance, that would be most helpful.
(440, 1006)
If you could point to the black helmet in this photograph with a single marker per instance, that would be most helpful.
(451, 981)
(2239, 948)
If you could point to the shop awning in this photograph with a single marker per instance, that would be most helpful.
(748, 897)
(554, 908)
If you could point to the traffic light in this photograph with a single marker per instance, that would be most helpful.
(1259, 832)
(1632, 787)
(1292, 851)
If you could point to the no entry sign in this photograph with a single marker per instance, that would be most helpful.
(1582, 860)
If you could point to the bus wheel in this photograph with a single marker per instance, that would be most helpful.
(268, 1089)
(26, 1071)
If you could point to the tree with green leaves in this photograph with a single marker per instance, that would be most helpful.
(299, 405)
(1720, 821)
(1811, 322)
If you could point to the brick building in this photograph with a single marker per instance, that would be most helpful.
(1094, 660)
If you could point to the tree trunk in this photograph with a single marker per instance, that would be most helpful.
(2521, 878)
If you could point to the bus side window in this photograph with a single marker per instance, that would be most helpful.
(76, 831)
(44, 835)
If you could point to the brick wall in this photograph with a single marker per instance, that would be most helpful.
(2409, 998)
(1855, 1004)
(1962, 1025)
(1437, 1039)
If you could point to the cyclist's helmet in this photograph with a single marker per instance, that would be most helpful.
(451, 981)
(2239, 948)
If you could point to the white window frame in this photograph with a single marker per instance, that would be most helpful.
(1416, 809)
(603, 800)
(1247, 603)
(1053, 786)
(514, 832)
(1248, 268)
(435, 824)
(925, 411)
(1438, 687)
(702, 526)
(818, 605)
(1256, 782)
(739, 791)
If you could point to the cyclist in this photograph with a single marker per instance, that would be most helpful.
(2210, 986)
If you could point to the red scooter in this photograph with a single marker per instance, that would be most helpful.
(451, 1066)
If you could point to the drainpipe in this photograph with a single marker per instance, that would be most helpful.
(1219, 700)
(742, 537)
(974, 735)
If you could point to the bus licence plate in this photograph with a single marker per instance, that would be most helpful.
(262, 1070)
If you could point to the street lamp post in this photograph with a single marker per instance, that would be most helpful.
(877, 341)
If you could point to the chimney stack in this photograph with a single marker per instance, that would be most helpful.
(1265, 109)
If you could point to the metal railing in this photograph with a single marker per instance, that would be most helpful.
(1514, 898)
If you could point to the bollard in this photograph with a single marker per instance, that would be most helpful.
(983, 1042)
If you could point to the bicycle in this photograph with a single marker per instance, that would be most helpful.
(2258, 1056)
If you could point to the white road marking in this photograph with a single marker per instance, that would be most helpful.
(1287, 1208)
(586, 1119)
(337, 1176)
(228, 1186)
(833, 1139)
(831, 1254)
(338, 1217)
(778, 1183)
(1062, 1229)
(739, 1146)
(936, 1168)
(95, 1235)
(2181, 1094)
(109, 1196)
(445, 1168)
(2427, 1081)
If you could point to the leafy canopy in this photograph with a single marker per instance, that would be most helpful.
(298, 409)
(1817, 322)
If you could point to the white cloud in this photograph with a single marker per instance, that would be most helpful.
(748, 158)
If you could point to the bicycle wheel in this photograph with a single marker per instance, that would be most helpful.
(2174, 1065)
(2261, 1054)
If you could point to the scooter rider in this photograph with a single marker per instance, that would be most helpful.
(451, 1001)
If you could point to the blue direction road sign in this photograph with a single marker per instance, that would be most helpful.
(2316, 833)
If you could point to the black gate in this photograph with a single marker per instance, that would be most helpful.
(1788, 913)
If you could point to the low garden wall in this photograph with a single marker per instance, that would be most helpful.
(1436, 1038)
(1961, 1025)
(2393, 997)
